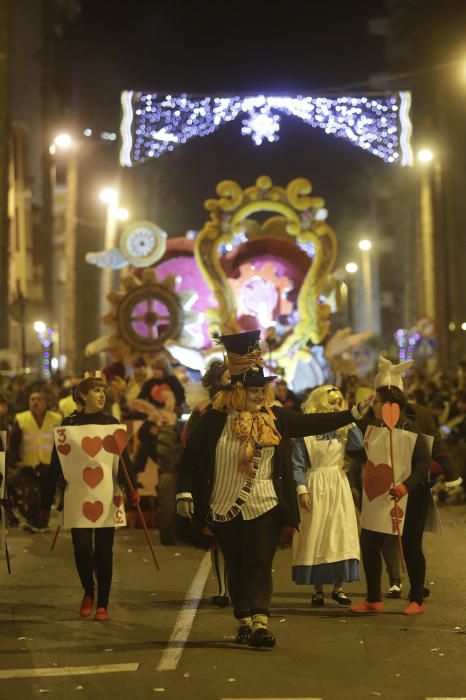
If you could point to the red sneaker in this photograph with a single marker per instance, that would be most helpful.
(414, 609)
(86, 606)
(366, 607)
(101, 615)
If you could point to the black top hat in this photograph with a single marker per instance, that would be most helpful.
(245, 358)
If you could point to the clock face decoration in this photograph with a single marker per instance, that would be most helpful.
(143, 243)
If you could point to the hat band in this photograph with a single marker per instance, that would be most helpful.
(240, 364)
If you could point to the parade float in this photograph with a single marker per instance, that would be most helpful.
(265, 258)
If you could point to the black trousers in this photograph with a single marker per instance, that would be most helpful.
(93, 551)
(373, 542)
(249, 547)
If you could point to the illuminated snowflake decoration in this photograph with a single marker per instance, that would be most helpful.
(262, 125)
(153, 124)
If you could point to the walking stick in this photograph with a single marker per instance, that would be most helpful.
(138, 508)
(7, 557)
(120, 444)
(55, 537)
(390, 415)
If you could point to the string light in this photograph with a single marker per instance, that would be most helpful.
(153, 124)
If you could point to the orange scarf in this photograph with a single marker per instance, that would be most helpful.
(254, 429)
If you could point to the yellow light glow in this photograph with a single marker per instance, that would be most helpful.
(365, 244)
(63, 141)
(108, 195)
(425, 155)
(39, 327)
(122, 214)
(351, 267)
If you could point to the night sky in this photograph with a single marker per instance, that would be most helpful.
(244, 47)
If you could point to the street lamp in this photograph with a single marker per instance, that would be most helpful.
(39, 326)
(63, 141)
(365, 244)
(108, 195)
(351, 267)
(425, 155)
(368, 318)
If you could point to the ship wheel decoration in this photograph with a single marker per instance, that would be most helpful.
(146, 314)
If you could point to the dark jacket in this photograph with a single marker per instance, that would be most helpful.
(196, 469)
(55, 476)
(424, 421)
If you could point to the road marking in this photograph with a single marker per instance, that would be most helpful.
(66, 671)
(287, 698)
(447, 698)
(172, 654)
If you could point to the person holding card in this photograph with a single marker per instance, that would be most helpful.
(396, 493)
(235, 474)
(84, 465)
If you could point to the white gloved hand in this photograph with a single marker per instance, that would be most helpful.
(185, 508)
(362, 407)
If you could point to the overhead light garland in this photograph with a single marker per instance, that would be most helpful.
(153, 124)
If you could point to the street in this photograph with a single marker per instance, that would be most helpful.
(46, 648)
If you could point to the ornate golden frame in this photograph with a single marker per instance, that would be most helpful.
(229, 216)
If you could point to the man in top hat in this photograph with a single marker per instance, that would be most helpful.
(235, 474)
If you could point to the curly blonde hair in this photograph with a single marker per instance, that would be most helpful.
(318, 401)
(236, 398)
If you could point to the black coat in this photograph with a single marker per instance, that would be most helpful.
(196, 468)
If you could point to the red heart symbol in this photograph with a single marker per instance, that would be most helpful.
(121, 438)
(93, 476)
(117, 500)
(91, 445)
(390, 414)
(64, 449)
(377, 479)
(93, 511)
(109, 444)
(116, 443)
(397, 512)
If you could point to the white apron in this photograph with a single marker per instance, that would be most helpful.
(378, 508)
(329, 532)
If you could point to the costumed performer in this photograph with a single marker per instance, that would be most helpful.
(235, 473)
(216, 377)
(396, 494)
(93, 547)
(326, 547)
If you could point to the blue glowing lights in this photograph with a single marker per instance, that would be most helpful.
(153, 124)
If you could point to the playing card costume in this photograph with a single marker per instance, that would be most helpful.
(235, 474)
(396, 493)
(85, 467)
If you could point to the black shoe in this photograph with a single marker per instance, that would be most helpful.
(243, 635)
(317, 600)
(220, 600)
(341, 598)
(262, 637)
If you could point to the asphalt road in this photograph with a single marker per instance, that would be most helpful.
(160, 643)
